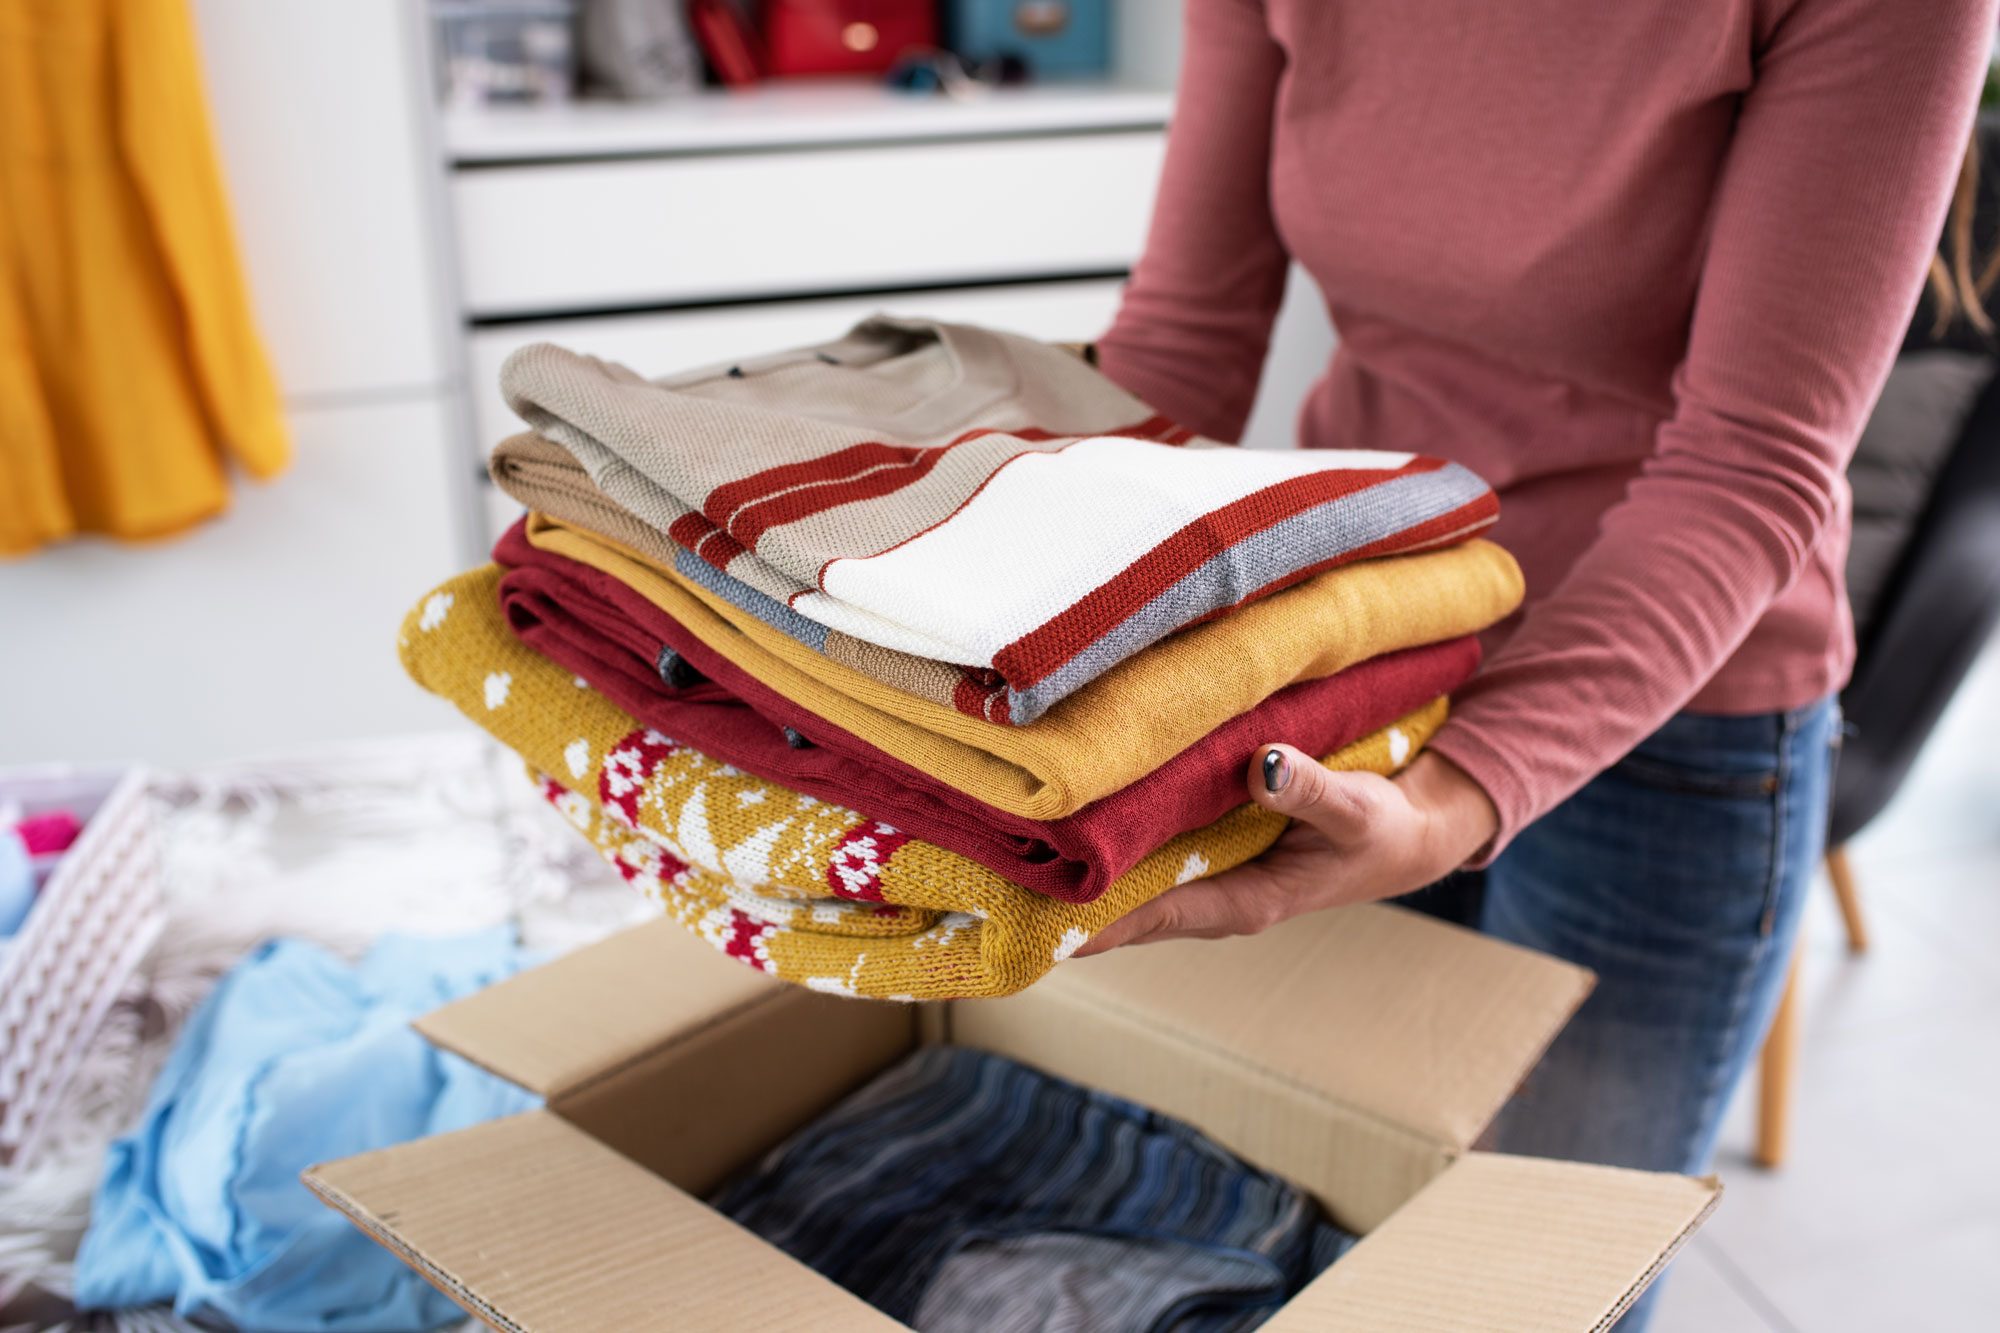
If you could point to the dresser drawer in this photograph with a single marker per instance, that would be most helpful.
(591, 235)
(669, 341)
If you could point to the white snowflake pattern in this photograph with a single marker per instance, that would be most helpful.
(577, 755)
(1072, 939)
(575, 807)
(857, 864)
(838, 986)
(435, 608)
(497, 685)
(950, 925)
(1399, 745)
(746, 940)
(1192, 869)
(624, 775)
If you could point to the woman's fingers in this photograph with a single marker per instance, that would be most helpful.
(1345, 807)
(1351, 812)
(1205, 909)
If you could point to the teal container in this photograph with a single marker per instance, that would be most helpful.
(1058, 39)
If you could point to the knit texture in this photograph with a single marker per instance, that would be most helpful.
(1136, 717)
(652, 667)
(960, 1190)
(975, 497)
(809, 891)
(544, 476)
(132, 378)
(1645, 276)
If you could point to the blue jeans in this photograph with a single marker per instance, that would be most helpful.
(1678, 876)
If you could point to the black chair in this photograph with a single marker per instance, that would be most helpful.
(1932, 615)
(1940, 605)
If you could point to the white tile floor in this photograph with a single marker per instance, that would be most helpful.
(1887, 1216)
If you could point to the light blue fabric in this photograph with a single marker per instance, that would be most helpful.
(296, 1058)
(17, 883)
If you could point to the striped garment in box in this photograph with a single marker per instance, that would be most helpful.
(962, 1192)
(976, 498)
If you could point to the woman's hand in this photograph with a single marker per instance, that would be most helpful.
(1357, 837)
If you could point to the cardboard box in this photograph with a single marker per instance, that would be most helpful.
(1359, 1053)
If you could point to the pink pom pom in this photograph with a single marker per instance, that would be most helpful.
(51, 832)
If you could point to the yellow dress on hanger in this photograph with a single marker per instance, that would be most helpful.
(130, 368)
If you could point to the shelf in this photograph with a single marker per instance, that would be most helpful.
(798, 113)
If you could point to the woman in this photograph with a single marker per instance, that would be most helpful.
(1645, 272)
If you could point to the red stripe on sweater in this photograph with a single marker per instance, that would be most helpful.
(749, 508)
(1045, 648)
(1150, 429)
(974, 699)
(698, 536)
(752, 521)
(722, 503)
(688, 530)
(719, 548)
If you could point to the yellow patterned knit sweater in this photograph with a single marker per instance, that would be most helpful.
(814, 893)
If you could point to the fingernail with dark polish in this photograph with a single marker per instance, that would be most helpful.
(1277, 771)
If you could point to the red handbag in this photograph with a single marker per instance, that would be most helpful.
(843, 36)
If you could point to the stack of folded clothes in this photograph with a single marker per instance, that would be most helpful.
(901, 665)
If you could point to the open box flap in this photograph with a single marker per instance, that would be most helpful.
(1397, 1016)
(531, 1224)
(1499, 1243)
(555, 1027)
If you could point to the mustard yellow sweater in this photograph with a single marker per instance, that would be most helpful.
(811, 892)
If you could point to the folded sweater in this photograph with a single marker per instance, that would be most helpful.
(1130, 721)
(807, 890)
(611, 636)
(544, 476)
(975, 497)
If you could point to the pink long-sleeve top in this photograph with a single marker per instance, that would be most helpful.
(1642, 265)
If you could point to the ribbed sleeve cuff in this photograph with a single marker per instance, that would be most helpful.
(1499, 775)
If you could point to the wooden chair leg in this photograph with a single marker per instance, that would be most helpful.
(1842, 875)
(1778, 1067)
